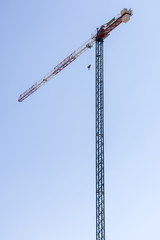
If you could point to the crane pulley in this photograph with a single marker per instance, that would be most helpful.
(102, 32)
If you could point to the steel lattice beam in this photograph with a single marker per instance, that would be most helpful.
(100, 197)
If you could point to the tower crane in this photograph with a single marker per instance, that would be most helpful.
(98, 38)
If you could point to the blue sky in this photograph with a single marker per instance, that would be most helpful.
(47, 157)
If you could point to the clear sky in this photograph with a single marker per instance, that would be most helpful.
(47, 157)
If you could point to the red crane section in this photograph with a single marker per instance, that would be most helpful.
(102, 32)
(105, 29)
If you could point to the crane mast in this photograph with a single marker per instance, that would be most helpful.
(98, 38)
(99, 98)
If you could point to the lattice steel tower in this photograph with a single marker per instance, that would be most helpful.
(100, 197)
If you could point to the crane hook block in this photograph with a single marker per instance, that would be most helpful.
(88, 45)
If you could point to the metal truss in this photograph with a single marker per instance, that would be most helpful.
(100, 196)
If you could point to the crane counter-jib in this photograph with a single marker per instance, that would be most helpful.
(105, 29)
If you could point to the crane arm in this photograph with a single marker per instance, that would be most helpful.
(57, 69)
(102, 32)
